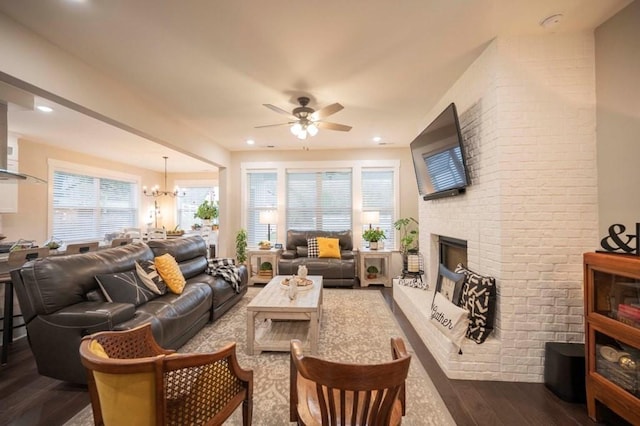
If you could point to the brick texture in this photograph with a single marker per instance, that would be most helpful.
(527, 111)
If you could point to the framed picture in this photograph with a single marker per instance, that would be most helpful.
(278, 245)
(449, 284)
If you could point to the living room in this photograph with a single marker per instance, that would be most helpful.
(587, 96)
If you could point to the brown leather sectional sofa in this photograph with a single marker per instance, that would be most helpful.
(61, 301)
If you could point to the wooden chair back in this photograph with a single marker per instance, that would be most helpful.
(156, 234)
(332, 393)
(202, 388)
(117, 242)
(82, 247)
(19, 257)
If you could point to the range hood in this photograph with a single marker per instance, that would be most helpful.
(7, 175)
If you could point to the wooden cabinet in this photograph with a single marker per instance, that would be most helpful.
(378, 259)
(612, 320)
(255, 258)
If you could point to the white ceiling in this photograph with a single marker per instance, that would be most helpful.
(214, 63)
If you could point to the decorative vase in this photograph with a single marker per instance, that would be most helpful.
(373, 245)
(302, 271)
(293, 288)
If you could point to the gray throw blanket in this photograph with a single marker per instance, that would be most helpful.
(226, 269)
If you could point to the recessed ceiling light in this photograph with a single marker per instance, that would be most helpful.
(44, 108)
(377, 138)
(250, 142)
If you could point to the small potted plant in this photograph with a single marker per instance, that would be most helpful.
(373, 236)
(241, 246)
(408, 228)
(372, 272)
(266, 269)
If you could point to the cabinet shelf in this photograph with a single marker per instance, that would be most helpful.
(612, 321)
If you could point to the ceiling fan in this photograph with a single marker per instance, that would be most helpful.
(306, 120)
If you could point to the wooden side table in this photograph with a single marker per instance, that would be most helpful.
(255, 257)
(381, 259)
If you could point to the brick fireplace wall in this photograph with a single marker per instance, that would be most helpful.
(527, 110)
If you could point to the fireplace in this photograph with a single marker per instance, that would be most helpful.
(452, 251)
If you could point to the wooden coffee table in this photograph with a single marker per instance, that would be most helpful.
(298, 318)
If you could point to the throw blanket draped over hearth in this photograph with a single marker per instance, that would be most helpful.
(226, 269)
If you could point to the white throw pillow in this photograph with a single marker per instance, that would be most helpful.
(450, 319)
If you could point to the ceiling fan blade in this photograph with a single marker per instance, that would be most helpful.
(333, 126)
(279, 110)
(326, 111)
(274, 125)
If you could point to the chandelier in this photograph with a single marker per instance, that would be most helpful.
(156, 192)
(303, 128)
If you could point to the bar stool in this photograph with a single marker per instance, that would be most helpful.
(16, 259)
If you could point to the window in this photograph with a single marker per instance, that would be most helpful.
(262, 190)
(186, 206)
(319, 200)
(378, 195)
(87, 206)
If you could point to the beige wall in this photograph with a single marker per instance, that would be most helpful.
(32, 220)
(230, 214)
(618, 119)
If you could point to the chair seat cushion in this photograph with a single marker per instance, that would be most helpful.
(309, 407)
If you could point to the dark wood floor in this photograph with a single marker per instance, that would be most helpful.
(26, 398)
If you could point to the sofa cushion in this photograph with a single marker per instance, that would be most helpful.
(124, 287)
(170, 272)
(312, 247)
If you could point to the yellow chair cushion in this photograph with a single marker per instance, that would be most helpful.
(127, 399)
(328, 247)
(169, 270)
(96, 348)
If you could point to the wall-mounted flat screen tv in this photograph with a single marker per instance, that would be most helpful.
(438, 157)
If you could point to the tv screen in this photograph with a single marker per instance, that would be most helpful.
(438, 157)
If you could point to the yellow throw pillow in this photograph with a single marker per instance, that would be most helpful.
(169, 270)
(97, 349)
(328, 247)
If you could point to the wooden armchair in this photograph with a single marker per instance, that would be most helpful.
(330, 393)
(133, 381)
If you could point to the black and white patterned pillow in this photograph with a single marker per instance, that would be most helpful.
(479, 298)
(146, 270)
(312, 247)
(124, 287)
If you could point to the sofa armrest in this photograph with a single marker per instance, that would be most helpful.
(288, 254)
(347, 255)
(92, 316)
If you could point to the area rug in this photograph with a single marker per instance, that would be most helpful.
(356, 327)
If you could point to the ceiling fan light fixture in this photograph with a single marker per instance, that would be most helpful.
(312, 129)
(302, 135)
(296, 129)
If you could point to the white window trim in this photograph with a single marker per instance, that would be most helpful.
(65, 166)
(356, 170)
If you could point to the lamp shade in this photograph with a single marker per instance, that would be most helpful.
(268, 217)
(372, 218)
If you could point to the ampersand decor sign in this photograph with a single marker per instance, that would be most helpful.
(619, 242)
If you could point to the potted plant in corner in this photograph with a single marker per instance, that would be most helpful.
(409, 232)
(207, 211)
(373, 236)
(241, 246)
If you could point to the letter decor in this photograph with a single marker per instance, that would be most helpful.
(627, 244)
(451, 320)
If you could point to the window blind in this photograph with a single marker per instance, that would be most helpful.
(319, 200)
(262, 190)
(88, 207)
(378, 195)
